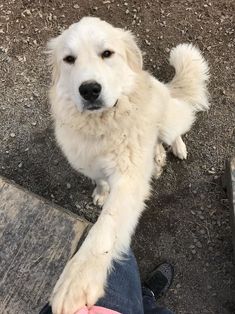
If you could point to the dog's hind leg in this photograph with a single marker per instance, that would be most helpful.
(179, 148)
(159, 159)
(100, 192)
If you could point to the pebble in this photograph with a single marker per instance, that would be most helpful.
(178, 285)
(198, 244)
(34, 123)
(12, 134)
(68, 185)
(20, 165)
(194, 252)
(147, 42)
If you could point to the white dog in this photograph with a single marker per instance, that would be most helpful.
(111, 118)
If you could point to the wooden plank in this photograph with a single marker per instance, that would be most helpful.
(36, 240)
(230, 187)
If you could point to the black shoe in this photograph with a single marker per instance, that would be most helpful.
(46, 309)
(160, 280)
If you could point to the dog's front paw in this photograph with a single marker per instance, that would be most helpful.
(100, 193)
(81, 283)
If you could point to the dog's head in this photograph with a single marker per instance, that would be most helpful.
(94, 64)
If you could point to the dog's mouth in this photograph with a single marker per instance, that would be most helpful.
(93, 107)
(115, 105)
(97, 106)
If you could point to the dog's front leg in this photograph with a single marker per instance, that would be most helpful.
(83, 279)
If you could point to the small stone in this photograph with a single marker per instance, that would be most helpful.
(68, 185)
(34, 123)
(35, 94)
(20, 165)
(192, 246)
(194, 252)
(202, 231)
(12, 134)
(77, 205)
(147, 42)
(198, 244)
(178, 285)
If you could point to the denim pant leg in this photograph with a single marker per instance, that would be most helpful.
(150, 305)
(123, 292)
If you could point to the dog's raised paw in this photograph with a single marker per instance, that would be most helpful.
(79, 285)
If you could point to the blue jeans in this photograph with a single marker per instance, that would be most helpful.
(124, 293)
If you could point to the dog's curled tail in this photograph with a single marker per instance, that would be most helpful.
(191, 76)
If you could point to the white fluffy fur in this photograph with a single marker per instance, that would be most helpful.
(119, 146)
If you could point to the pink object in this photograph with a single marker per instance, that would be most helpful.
(96, 310)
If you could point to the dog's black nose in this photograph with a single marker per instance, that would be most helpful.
(90, 90)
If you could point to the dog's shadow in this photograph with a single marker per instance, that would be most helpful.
(46, 172)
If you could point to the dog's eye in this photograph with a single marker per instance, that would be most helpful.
(69, 59)
(107, 54)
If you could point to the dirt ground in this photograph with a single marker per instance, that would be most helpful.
(187, 220)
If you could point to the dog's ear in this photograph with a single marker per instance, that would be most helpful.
(52, 58)
(133, 52)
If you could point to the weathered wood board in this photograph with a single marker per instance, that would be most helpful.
(36, 240)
